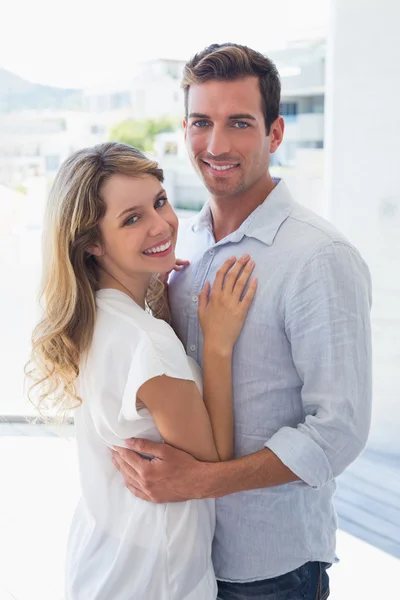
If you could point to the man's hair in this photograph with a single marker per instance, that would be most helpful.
(228, 62)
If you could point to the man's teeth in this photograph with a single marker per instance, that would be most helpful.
(156, 249)
(221, 168)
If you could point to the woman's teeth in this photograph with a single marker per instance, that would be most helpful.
(157, 249)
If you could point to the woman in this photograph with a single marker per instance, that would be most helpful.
(109, 230)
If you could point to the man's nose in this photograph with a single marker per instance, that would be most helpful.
(219, 142)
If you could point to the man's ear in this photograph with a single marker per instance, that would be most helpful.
(276, 134)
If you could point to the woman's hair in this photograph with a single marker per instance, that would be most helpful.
(228, 62)
(70, 273)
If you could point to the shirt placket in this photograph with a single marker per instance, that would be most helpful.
(194, 347)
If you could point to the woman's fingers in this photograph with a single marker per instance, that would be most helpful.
(249, 294)
(234, 273)
(231, 280)
(203, 297)
(222, 272)
(243, 279)
(180, 264)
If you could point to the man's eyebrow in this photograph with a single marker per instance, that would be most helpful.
(132, 208)
(242, 116)
(196, 115)
(233, 117)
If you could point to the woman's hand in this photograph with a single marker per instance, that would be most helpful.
(160, 306)
(223, 309)
(179, 266)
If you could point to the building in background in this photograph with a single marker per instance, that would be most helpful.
(36, 142)
(152, 92)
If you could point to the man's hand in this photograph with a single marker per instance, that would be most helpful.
(171, 476)
(175, 476)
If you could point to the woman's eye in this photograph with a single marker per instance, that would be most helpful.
(131, 220)
(160, 202)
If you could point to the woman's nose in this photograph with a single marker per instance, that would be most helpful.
(158, 225)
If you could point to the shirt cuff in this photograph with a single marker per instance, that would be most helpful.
(301, 455)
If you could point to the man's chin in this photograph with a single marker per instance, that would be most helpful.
(222, 189)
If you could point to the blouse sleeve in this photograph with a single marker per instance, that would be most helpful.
(120, 370)
(156, 354)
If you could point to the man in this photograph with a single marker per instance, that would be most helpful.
(302, 365)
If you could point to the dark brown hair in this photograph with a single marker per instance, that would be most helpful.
(227, 62)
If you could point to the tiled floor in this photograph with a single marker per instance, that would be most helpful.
(40, 488)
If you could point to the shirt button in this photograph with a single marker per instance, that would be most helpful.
(195, 298)
(192, 348)
(212, 251)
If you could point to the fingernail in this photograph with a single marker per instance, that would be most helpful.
(245, 256)
(130, 442)
(232, 258)
(250, 263)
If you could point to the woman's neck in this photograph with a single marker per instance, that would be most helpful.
(136, 289)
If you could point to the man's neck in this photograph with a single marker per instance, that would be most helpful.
(228, 213)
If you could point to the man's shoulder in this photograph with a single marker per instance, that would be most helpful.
(307, 230)
(186, 224)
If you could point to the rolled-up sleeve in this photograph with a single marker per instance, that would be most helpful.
(327, 322)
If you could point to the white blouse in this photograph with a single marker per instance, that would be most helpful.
(121, 547)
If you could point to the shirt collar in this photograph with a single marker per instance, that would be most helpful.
(264, 222)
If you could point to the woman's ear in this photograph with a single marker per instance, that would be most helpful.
(95, 250)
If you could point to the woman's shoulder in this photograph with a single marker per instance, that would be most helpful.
(122, 323)
(113, 319)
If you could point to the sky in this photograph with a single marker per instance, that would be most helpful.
(78, 43)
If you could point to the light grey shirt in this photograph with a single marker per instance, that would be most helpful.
(301, 377)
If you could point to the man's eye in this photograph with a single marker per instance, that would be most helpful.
(200, 123)
(241, 125)
(160, 202)
(131, 220)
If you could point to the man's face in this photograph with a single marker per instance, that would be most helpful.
(226, 136)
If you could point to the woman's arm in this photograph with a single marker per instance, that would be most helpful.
(205, 429)
(180, 415)
(217, 396)
(221, 315)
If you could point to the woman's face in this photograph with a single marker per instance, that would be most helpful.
(139, 228)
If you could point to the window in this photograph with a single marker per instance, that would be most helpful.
(288, 109)
(98, 129)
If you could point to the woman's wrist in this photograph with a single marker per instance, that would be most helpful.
(212, 348)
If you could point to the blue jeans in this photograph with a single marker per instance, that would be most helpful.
(308, 582)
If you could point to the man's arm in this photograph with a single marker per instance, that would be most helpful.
(328, 326)
(175, 476)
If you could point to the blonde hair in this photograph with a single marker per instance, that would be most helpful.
(228, 62)
(70, 274)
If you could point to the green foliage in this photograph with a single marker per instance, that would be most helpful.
(21, 189)
(141, 134)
